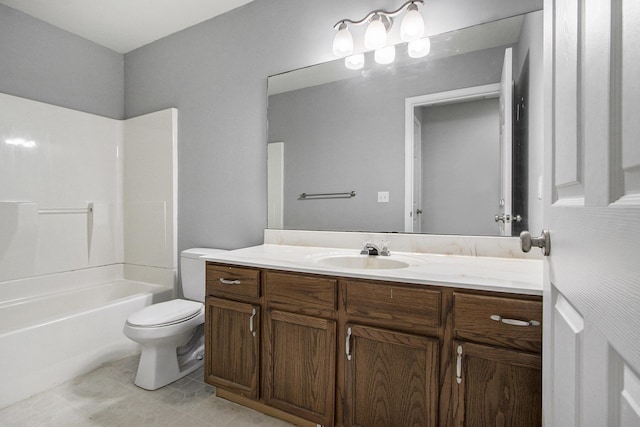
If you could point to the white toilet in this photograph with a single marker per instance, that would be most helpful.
(171, 333)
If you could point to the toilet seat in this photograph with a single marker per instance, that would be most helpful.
(165, 314)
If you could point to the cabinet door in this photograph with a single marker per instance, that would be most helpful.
(299, 365)
(232, 344)
(391, 378)
(496, 386)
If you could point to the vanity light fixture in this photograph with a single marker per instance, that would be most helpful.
(354, 62)
(375, 37)
(412, 25)
(419, 48)
(343, 41)
(385, 55)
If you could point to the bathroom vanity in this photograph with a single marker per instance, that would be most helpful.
(445, 340)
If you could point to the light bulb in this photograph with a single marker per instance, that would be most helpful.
(343, 41)
(419, 48)
(354, 62)
(412, 25)
(376, 34)
(385, 55)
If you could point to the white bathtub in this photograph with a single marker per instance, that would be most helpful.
(66, 330)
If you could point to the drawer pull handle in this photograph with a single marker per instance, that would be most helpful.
(348, 344)
(253, 314)
(459, 365)
(229, 282)
(514, 322)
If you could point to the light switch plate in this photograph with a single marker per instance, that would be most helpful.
(383, 197)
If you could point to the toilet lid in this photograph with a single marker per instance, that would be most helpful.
(165, 313)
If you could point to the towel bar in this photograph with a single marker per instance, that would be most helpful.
(345, 195)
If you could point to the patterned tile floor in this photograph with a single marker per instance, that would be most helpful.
(107, 397)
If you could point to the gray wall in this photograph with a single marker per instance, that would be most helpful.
(215, 74)
(461, 168)
(44, 63)
(349, 135)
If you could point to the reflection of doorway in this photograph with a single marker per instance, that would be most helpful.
(442, 221)
(460, 167)
(457, 205)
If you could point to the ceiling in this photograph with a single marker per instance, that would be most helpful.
(123, 25)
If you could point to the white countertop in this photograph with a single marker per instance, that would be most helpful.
(521, 276)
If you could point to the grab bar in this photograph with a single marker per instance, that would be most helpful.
(345, 195)
(63, 211)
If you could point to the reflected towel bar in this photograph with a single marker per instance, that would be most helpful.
(346, 195)
(65, 211)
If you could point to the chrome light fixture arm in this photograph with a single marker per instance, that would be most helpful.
(379, 12)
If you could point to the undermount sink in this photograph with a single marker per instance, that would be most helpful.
(362, 262)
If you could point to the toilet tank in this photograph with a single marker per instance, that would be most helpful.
(192, 269)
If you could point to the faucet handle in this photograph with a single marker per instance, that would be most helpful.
(384, 248)
(365, 247)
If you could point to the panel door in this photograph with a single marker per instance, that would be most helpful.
(592, 163)
(496, 387)
(299, 372)
(391, 378)
(232, 345)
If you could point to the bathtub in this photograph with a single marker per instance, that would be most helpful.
(53, 329)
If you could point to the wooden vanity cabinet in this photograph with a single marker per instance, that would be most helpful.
(391, 378)
(232, 329)
(300, 345)
(315, 349)
(498, 368)
(391, 355)
(232, 348)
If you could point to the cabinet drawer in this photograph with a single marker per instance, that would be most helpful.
(229, 281)
(476, 318)
(406, 307)
(300, 292)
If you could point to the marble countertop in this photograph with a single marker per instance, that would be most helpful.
(521, 276)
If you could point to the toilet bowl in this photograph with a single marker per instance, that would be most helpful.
(170, 333)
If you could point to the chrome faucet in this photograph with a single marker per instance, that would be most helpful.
(371, 249)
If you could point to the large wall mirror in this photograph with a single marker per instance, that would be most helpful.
(450, 143)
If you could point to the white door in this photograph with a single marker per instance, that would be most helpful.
(592, 162)
(506, 140)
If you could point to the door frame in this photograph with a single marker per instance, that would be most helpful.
(467, 94)
(417, 175)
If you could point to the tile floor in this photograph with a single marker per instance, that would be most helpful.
(107, 397)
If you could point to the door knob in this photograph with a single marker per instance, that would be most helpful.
(543, 242)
